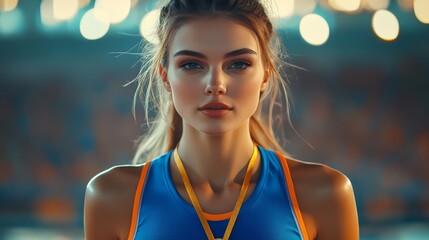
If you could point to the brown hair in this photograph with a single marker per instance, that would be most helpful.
(164, 130)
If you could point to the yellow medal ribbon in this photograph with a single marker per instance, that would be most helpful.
(196, 204)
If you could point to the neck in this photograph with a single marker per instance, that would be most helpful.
(216, 160)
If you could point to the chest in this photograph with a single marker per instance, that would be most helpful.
(262, 219)
(267, 212)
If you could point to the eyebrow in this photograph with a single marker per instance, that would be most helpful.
(227, 55)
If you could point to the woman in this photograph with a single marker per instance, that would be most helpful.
(221, 173)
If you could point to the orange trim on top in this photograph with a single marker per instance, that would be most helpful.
(293, 195)
(218, 217)
(137, 198)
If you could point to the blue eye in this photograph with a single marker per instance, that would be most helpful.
(190, 66)
(240, 65)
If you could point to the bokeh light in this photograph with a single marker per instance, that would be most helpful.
(47, 12)
(94, 25)
(385, 25)
(117, 10)
(314, 29)
(376, 4)
(345, 5)
(83, 3)
(283, 8)
(11, 22)
(65, 9)
(148, 26)
(8, 5)
(421, 9)
(303, 7)
(407, 5)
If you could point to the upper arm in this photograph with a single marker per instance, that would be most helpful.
(98, 212)
(336, 217)
(327, 202)
(108, 205)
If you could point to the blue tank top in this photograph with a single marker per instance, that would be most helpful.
(270, 213)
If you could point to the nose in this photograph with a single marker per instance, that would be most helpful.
(216, 83)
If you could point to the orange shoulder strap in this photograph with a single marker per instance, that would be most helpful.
(291, 190)
(137, 198)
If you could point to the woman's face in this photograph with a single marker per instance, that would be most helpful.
(215, 62)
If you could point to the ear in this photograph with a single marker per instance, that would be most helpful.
(163, 75)
(265, 81)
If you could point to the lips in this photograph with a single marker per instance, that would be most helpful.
(215, 110)
(215, 106)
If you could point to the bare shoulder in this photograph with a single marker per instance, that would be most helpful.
(320, 179)
(108, 202)
(326, 199)
(117, 178)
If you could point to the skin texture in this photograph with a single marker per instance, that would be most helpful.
(325, 195)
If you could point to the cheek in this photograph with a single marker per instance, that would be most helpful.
(184, 93)
(249, 89)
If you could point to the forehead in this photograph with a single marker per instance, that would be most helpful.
(213, 37)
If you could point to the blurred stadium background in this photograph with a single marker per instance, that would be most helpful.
(362, 102)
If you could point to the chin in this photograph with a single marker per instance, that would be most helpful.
(214, 128)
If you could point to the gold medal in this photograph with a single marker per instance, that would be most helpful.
(196, 204)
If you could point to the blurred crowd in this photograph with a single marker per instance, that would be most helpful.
(55, 136)
(371, 125)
